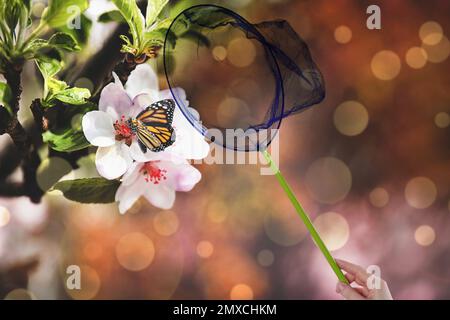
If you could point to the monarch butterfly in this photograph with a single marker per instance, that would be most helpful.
(153, 126)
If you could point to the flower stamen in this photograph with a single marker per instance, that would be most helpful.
(152, 173)
(123, 130)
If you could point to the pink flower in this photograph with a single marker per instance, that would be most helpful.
(157, 181)
(117, 145)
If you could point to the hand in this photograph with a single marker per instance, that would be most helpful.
(357, 274)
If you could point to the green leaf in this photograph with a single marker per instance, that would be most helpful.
(12, 11)
(27, 4)
(157, 37)
(154, 8)
(165, 24)
(35, 45)
(48, 67)
(45, 53)
(57, 89)
(5, 96)
(61, 12)
(81, 35)
(111, 16)
(55, 85)
(63, 41)
(69, 141)
(133, 16)
(73, 96)
(66, 133)
(92, 190)
(41, 47)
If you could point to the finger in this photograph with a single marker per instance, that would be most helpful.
(366, 293)
(348, 292)
(350, 277)
(358, 272)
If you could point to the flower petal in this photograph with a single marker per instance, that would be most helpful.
(132, 173)
(112, 162)
(137, 154)
(127, 195)
(142, 80)
(115, 101)
(160, 196)
(189, 143)
(98, 128)
(142, 101)
(180, 177)
(178, 92)
(181, 96)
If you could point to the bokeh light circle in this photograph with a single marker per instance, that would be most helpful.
(343, 34)
(5, 216)
(217, 211)
(166, 223)
(233, 111)
(431, 33)
(334, 230)
(135, 251)
(50, 170)
(37, 8)
(241, 292)
(420, 192)
(379, 197)
(219, 53)
(241, 52)
(20, 294)
(205, 249)
(425, 235)
(442, 120)
(386, 65)
(438, 53)
(328, 180)
(284, 228)
(351, 118)
(416, 57)
(265, 258)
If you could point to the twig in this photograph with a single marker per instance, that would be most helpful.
(12, 189)
(13, 72)
(10, 159)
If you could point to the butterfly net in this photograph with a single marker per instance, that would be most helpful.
(241, 78)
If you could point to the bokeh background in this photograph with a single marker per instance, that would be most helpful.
(371, 164)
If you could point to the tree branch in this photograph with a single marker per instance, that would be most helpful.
(13, 72)
(10, 159)
(12, 189)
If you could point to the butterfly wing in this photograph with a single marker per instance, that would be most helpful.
(154, 126)
(158, 113)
